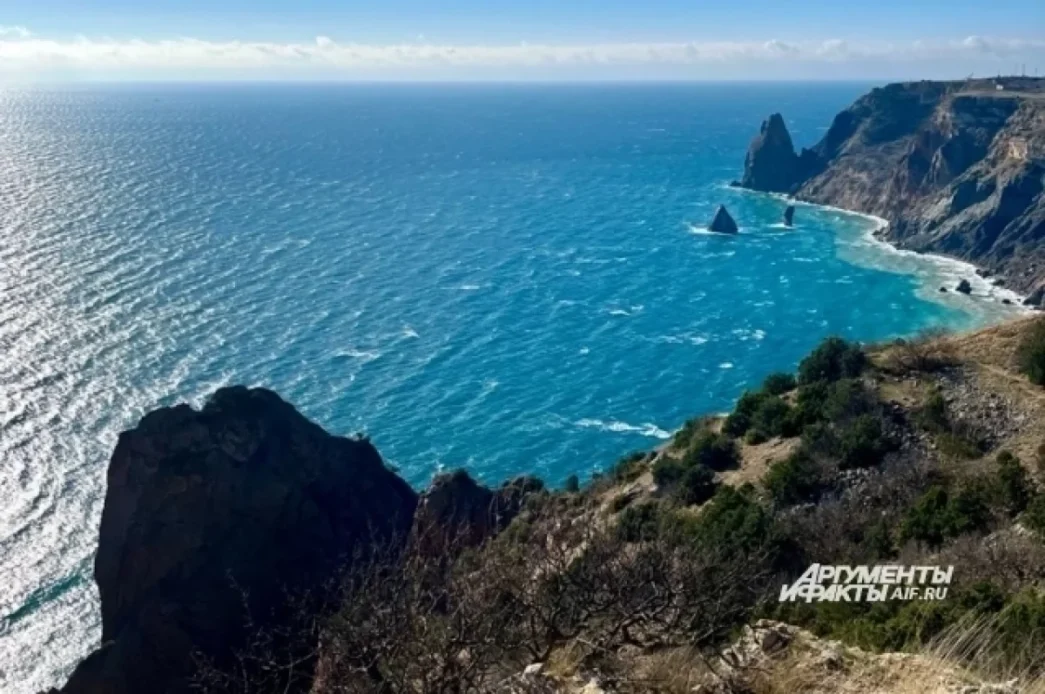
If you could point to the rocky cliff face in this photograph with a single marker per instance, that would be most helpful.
(955, 167)
(214, 516)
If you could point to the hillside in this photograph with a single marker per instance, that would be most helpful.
(956, 168)
(244, 549)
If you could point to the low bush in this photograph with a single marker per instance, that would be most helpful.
(628, 468)
(1013, 487)
(794, 480)
(640, 522)
(714, 451)
(739, 421)
(832, 360)
(939, 515)
(1030, 354)
(779, 383)
(773, 417)
(696, 486)
(668, 471)
(1034, 517)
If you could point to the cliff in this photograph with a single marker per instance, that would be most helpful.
(926, 453)
(211, 517)
(956, 168)
(237, 518)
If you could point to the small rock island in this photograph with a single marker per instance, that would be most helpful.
(723, 223)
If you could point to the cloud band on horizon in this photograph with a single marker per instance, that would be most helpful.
(22, 52)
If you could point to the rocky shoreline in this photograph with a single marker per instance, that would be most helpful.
(955, 169)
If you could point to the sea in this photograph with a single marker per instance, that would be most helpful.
(509, 278)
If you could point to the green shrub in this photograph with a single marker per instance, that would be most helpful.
(628, 468)
(861, 443)
(1013, 487)
(959, 445)
(809, 402)
(697, 485)
(684, 435)
(733, 521)
(778, 384)
(932, 415)
(846, 399)
(878, 540)
(793, 480)
(572, 485)
(714, 451)
(937, 515)
(754, 436)
(773, 417)
(1034, 518)
(640, 522)
(832, 360)
(667, 471)
(1030, 355)
(738, 422)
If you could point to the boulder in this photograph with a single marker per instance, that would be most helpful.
(789, 215)
(964, 287)
(723, 222)
(215, 516)
(1036, 298)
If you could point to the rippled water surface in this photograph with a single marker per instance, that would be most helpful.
(507, 278)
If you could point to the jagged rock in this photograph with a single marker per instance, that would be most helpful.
(789, 215)
(771, 164)
(723, 222)
(943, 290)
(214, 513)
(964, 287)
(954, 167)
(1036, 297)
(456, 509)
(1007, 302)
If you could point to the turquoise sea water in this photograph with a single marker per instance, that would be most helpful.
(507, 278)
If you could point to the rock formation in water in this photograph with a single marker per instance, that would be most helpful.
(789, 215)
(956, 168)
(723, 222)
(217, 513)
(964, 287)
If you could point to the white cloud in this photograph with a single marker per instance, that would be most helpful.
(19, 31)
(23, 52)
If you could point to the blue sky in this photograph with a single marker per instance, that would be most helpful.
(509, 39)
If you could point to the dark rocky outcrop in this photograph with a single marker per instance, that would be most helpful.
(457, 509)
(789, 215)
(216, 513)
(771, 163)
(723, 223)
(956, 168)
(964, 287)
(1036, 298)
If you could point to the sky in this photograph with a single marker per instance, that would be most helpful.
(518, 39)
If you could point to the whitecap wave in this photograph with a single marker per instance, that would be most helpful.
(648, 429)
(363, 355)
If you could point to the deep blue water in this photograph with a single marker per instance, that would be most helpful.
(506, 278)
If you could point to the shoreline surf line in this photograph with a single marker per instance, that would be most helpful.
(946, 264)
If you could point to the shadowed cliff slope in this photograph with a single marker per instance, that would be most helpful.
(955, 167)
(214, 516)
